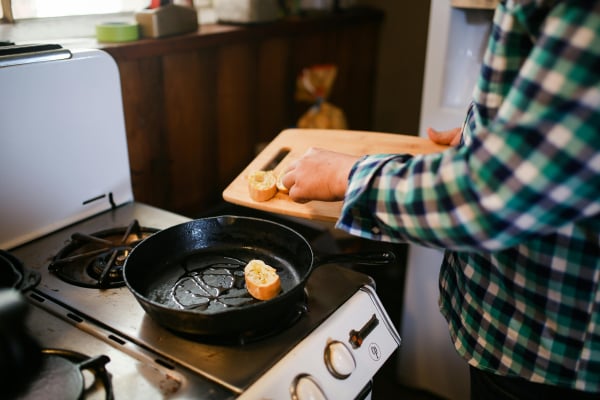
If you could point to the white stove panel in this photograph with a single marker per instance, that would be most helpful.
(303, 372)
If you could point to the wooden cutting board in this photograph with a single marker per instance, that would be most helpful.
(291, 144)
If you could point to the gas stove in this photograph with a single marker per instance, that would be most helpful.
(75, 228)
(113, 317)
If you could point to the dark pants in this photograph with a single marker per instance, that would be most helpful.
(487, 386)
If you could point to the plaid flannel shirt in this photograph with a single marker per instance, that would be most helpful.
(516, 205)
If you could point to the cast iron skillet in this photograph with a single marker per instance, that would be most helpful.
(189, 277)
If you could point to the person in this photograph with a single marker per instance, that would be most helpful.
(515, 203)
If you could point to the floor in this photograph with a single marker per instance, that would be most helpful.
(386, 386)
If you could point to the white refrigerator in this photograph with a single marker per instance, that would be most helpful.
(455, 45)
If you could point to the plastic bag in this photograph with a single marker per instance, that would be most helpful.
(313, 86)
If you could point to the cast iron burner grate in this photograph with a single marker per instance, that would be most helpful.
(96, 260)
(61, 376)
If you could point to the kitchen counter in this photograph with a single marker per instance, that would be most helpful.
(79, 31)
(218, 34)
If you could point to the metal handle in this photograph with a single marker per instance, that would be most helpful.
(363, 258)
(28, 54)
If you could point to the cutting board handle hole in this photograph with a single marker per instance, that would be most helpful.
(275, 161)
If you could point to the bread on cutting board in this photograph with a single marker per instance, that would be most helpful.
(262, 185)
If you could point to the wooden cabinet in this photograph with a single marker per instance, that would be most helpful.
(197, 105)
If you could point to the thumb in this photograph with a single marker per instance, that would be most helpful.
(449, 137)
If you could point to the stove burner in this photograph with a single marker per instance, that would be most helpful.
(61, 376)
(96, 260)
(108, 266)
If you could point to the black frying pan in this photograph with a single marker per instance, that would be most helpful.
(189, 277)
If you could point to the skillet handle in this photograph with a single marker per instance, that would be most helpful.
(362, 258)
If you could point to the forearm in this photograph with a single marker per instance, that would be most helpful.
(464, 199)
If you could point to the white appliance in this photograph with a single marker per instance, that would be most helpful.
(455, 45)
(68, 216)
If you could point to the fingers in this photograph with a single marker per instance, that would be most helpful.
(450, 137)
(296, 198)
(288, 179)
(318, 175)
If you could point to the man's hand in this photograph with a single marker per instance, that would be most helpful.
(449, 137)
(319, 175)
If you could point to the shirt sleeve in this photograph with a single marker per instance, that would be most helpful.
(530, 161)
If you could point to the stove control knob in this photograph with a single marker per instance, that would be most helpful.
(305, 387)
(339, 360)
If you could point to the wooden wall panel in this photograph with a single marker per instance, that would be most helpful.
(356, 55)
(206, 159)
(236, 109)
(143, 107)
(275, 88)
(188, 93)
(198, 105)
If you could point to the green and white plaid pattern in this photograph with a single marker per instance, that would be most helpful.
(516, 205)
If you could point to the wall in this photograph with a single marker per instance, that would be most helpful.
(401, 64)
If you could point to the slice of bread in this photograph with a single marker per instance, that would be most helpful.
(262, 280)
(262, 185)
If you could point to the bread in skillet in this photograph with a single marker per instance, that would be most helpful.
(262, 280)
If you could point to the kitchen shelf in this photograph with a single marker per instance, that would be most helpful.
(478, 4)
